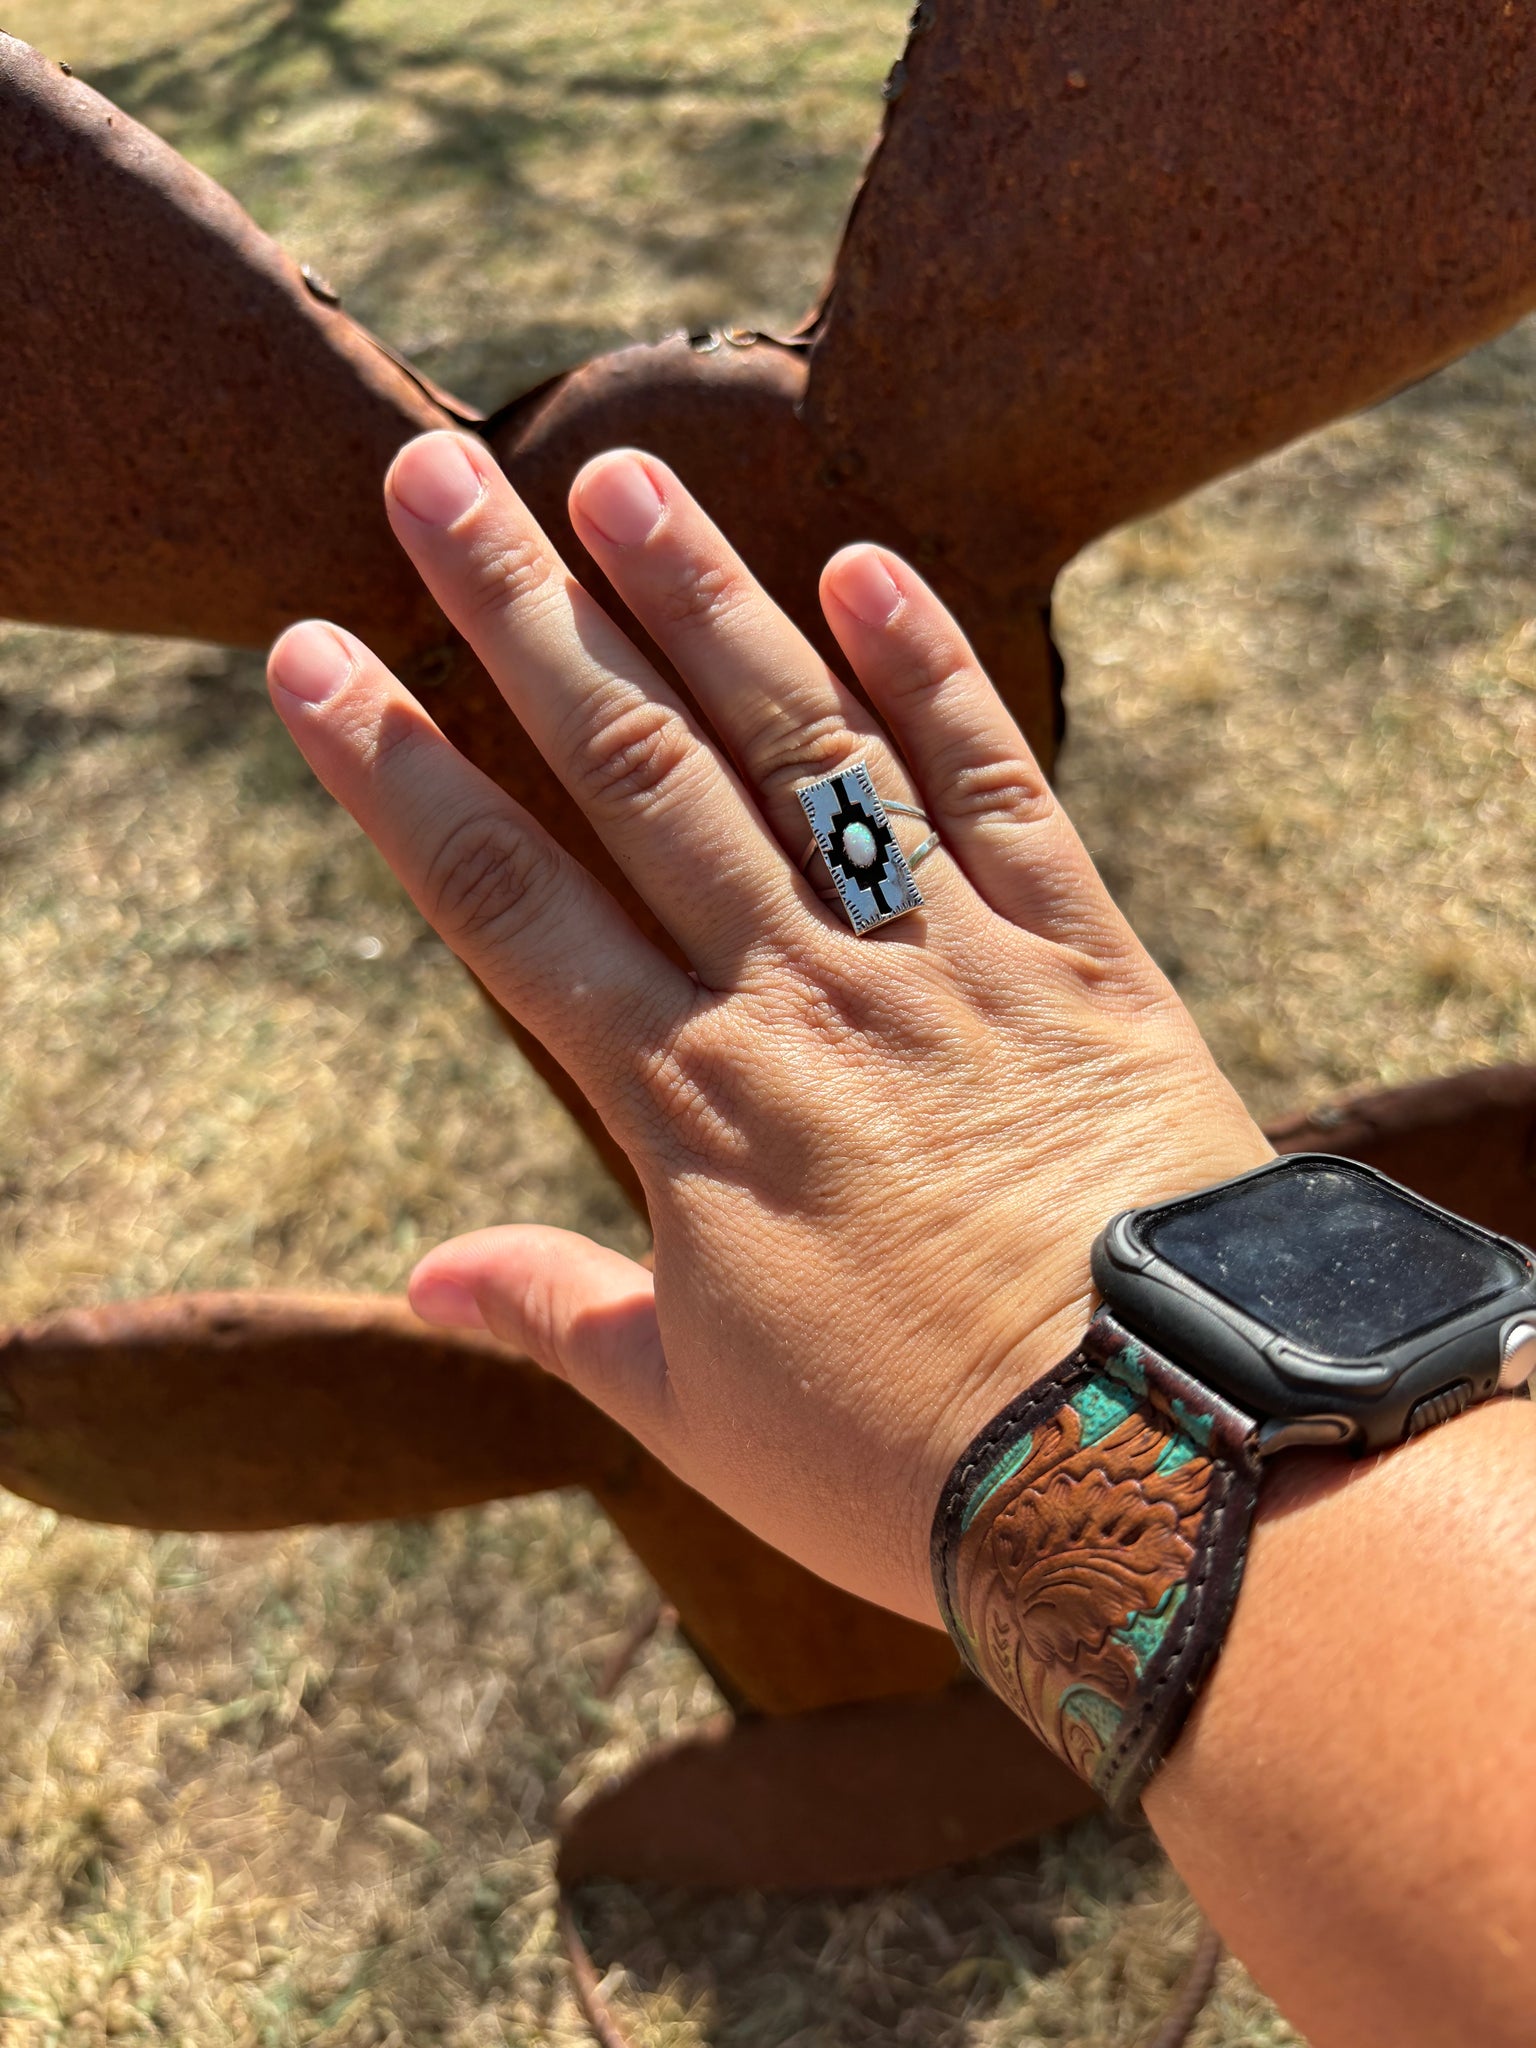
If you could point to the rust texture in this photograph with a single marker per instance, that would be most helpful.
(1108, 252)
(193, 441)
(852, 1795)
(1098, 258)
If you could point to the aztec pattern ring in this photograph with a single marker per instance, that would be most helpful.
(851, 831)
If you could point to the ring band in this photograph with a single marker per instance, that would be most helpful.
(851, 831)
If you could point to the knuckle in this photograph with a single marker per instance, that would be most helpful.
(392, 745)
(500, 576)
(789, 750)
(920, 672)
(630, 755)
(489, 878)
(693, 595)
(691, 1086)
(1007, 788)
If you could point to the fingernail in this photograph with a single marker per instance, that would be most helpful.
(310, 662)
(620, 500)
(866, 587)
(435, 480)
(446, 1303)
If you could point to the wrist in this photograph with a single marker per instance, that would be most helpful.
(1047, 1326)
(1091, 1541)
(1325, 1722)
(970, 1402)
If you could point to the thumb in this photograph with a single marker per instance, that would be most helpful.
(580, 1311)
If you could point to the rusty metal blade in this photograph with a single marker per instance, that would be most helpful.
(1104, 253)
(857, 1795)
(194, 441)
(1098, 258)
(192, 420)
(776, 1637)
(255, 1411)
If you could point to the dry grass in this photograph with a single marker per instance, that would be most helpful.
(299, 1789)
(1304, 709)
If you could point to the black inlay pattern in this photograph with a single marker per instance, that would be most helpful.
(879, 889)
(851, 811)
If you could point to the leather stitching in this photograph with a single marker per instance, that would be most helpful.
(1123, 1768)
(1184, 1523)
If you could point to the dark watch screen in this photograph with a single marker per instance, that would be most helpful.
(1336, 1261)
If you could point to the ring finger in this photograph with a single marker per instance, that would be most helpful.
(778, 708)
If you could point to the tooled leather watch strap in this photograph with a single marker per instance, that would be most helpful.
(1088, 1548)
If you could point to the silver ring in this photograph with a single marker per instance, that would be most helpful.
(851, 830)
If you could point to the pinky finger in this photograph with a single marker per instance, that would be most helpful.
(981, 784)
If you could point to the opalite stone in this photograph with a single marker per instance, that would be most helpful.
(859, 846)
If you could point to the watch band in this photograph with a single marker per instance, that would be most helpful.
(1088, 1547)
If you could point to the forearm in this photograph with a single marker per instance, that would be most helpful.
(1354, 1800)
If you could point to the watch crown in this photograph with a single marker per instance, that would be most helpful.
(1519, 1356)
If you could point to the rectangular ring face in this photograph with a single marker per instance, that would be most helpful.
(870, 872)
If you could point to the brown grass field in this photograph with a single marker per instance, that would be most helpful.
(299, 1789)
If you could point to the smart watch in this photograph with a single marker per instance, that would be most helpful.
(1089, 1544)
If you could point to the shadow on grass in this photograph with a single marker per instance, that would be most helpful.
(929, 1960)
(229, 76)
(31, 732)
(462, 116)
(225, 705)
(217, 702)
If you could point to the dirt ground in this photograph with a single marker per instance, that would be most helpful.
(299, 1789)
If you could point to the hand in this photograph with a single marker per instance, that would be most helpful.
(874, 1166)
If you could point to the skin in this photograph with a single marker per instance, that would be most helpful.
(875, 1169)
(1354, 1802)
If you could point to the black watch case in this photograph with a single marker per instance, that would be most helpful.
(1336, 1307)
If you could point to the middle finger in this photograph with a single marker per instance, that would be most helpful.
(783, 714)
(663, 800)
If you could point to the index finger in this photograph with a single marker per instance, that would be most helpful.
(546, 939)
